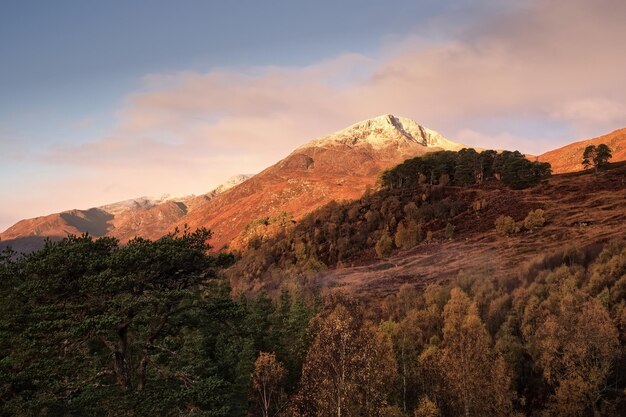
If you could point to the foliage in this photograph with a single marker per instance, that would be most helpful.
(88, 327)
(347, 368)
(466, 167)
(426, 408)
(596, 156)
(534, 219)
(408, 236)
(384, 246)
(505, 225)
(267, 377)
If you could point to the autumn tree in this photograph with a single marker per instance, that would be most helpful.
(505, 225)
(575, 346)
(384, 246)
(266, 382)
(426, 408)
(477, 378)
(534, 219)
(408, 341)
(407, 236)
(347, 370)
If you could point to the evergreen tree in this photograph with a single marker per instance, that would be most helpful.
(596, 156)
(100, 329)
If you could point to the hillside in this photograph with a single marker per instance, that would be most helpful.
(336, 167)
(582, 209)
(568, 158)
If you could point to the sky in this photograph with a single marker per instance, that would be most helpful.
(106, 101)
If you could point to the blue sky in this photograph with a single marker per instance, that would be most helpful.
(102, 101)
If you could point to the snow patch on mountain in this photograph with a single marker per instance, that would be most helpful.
(385, 131)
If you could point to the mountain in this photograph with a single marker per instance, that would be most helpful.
(569, 157)
(143, 216)
(383, 132)
(333, 167)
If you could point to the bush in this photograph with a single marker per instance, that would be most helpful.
(534, 219)
(505, 225)
(408, 236)
(384, 246)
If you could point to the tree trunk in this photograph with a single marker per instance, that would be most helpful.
(122, 370)
(141, 372)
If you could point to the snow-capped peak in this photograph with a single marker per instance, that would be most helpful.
(386, 130)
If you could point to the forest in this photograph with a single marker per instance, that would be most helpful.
(89, 327)
(92, 327)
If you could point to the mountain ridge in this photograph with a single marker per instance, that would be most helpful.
(122, 219)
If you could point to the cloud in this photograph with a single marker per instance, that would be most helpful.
(549, 63)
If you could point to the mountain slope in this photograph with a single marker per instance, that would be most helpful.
(568, 158)
(334, 167)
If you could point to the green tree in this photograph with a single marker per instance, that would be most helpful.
(468, 167)
(596, 156)
(97, 328)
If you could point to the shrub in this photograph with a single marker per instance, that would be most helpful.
(384, 246)
(534, 219)
(407, 236)
(505, 225)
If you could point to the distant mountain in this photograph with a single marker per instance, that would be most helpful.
(569, 157)
(143, 216)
